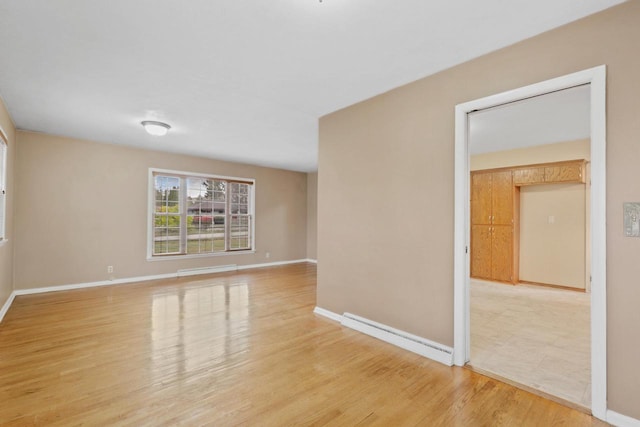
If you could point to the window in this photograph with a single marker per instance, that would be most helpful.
(3, 186)
(195, 214)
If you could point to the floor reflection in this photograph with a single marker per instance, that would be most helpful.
(197, 327)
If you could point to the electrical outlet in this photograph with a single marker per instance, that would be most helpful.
(267, 255)
(110, 269)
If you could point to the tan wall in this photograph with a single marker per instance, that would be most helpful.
(6, 248)
(385, 194)
(83, 206)
(550, 253)
(553, 252)
(312, 215)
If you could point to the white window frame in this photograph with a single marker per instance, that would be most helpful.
(186, 174)
(4, 146)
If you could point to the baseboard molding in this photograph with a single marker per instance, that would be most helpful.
(7, 305)
(180, 273)
(328, 314)
(422, 346)
(620, 420)
(313, 261)
(93, 284)
(271, 264)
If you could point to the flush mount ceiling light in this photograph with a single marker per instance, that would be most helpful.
(155, 128)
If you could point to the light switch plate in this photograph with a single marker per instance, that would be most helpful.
(632, 219)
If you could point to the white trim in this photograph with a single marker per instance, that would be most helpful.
(7, 305)
(402, 339)
(92, 284)
(596, 77)
(188, 174)
(620, 420)
(314, 261)
(143, 278)
(328, 314)
(271, 264)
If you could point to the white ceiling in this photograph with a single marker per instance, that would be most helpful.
(238, 80)
(547, 119)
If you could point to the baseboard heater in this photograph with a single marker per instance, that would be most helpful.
(207, 270)
(410, 342)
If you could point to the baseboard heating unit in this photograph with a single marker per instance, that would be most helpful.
(410, 342)
(207, 270)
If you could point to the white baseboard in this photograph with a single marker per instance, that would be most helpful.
(620, 420)
(328, 314)
(93, 284)
(422, 346)
(271, 264)
(314, 261)
(6, 305)
(147, 278)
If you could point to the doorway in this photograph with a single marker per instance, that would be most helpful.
(595, 78)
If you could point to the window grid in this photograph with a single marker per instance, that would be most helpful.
(200, 215)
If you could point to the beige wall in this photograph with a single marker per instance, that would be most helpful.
(551, 253)
(6, 248)
(83, 206)
(385, 194)
(312, 215)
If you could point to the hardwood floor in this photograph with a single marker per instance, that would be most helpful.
(231, 349)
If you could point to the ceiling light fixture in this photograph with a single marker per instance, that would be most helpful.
(155, 128)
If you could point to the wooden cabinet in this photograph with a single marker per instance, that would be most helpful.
(572, 172)
(528, 176)
(495, 214)
(492, 252)
(550, 173)
(493, 217)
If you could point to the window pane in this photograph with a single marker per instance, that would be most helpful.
(205, 233)
(240, 229)
(165, 241)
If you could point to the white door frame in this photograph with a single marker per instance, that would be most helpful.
(596, 78)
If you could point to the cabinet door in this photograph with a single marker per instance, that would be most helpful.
(481, 198)
(502, 252)
(528, 176)
(502, 197)
(564, 173)
(481, 251)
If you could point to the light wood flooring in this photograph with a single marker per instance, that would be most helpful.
(533, 335)
(231, 349)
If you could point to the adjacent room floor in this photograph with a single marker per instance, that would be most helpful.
(533, 335)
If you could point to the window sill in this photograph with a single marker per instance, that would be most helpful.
(192, 256)
(3, 242)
